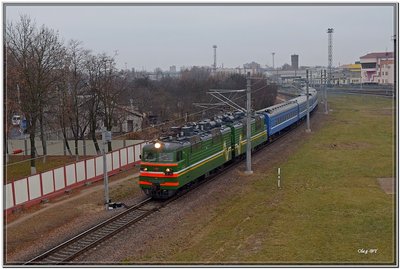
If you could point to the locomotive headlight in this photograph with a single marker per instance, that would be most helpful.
(143, 169)
(168, 171)
(157, 145)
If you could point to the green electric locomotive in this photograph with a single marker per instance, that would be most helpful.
(194, 151)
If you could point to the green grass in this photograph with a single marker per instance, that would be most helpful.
(330, 204)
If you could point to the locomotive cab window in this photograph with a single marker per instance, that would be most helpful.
(166, 156)
(161, 156)
(149, 156)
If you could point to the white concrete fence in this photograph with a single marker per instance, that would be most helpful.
(32, 190)
(56, 147)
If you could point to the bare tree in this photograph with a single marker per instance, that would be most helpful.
(76, 78)
(106, 91)
(39, 53)
(64, 109)
(11, 101)
(49, 54)
(105, 88)
(92, 68)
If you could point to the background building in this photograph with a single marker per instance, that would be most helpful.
(295, 61)
(386, 72)
(377, 67)
(348, 74)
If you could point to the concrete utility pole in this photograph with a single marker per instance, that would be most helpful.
(308, 130)
(273, 60)
(215, 59)
(106, 137)
(326, 94)
(330, 55)
(321, 81)
(248, 125)
(273, 65)
(218, 94)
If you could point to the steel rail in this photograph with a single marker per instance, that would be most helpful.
(82, 235)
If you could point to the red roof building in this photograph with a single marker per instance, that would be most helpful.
(377, 67)
(378, 55)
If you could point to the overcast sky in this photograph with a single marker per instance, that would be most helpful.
(160, 36)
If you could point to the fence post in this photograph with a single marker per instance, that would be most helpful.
(27, 185)
(112, 161)
(65, 177)
(95, 168)
(54, 181)
(13, 192)
(41, 185)
(85, 169)
(119, 158)
(76, 174)
(84, 145)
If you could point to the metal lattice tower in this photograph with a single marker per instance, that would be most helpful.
(215, 59)
(330, 55)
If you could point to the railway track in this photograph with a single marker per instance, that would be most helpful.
(76, 246)
(95, 235)
(87, 240)
(372, 92)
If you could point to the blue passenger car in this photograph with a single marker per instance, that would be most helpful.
(302, 102)
(280, 116)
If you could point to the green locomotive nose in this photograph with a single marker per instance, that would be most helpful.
(159, 168)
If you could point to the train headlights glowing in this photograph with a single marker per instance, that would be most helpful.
(143, 168)
(168, 171)
(157, 145)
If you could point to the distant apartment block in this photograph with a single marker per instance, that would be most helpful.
(377, 67)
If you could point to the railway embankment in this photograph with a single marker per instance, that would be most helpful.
(330, 207)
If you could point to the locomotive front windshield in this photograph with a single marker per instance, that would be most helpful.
(150, 156)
